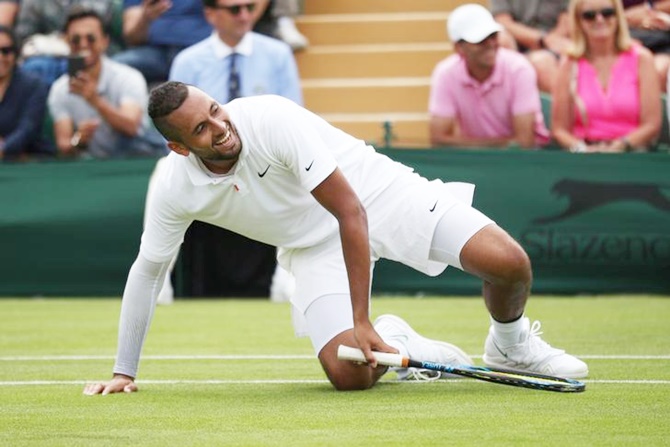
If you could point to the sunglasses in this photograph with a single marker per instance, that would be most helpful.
(591, 14)
(77, 38)
(236, 9)
(6, 51)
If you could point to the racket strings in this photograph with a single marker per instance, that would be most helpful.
(419, 375)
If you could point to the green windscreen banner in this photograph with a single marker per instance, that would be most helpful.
(590, 223)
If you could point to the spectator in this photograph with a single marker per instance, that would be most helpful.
(22, 103)
(649, 23)
(8, 11)
(156, 30)
(38, 29)
(537, 28)
(483, 95)
(263, 65)
(100, 109)
(607, 94)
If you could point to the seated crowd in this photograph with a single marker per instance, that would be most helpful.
(75, 75)
(605, 78)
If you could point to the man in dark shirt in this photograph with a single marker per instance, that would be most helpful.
(22, 106)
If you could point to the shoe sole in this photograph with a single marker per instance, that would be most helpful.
(464, 359)
(493, 364)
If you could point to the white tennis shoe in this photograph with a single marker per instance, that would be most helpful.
(532, 354)
(396, 332)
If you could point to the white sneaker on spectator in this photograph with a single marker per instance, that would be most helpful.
(287, 31)
(532, 354)
(396, 332)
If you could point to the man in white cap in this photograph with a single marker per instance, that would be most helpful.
(484, 96)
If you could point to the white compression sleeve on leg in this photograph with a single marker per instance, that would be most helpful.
(139, 299)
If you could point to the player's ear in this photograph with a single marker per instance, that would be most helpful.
(178, 148)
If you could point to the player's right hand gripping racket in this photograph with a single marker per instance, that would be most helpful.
(502, 376)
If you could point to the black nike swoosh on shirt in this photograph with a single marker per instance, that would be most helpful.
(310, 166)
(261, 174)
(434, 206)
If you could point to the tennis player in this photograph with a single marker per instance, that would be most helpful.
(270, 170)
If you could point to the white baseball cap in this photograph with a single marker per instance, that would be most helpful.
(472, 23)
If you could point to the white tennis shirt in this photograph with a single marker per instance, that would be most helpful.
(286, 152)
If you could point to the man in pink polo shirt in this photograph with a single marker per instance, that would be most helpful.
(484, 96)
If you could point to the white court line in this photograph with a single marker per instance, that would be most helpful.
(59, 358)
(51, 358)
(283, 382)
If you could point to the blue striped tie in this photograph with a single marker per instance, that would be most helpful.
(234, 79)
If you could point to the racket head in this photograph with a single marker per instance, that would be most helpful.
(510, 377)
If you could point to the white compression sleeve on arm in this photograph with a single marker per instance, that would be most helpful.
(144, 283)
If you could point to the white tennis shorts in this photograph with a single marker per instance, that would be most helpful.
(321, 306)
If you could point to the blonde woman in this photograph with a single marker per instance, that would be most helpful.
(607, 93)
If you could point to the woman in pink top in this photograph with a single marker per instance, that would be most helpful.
(607, 93)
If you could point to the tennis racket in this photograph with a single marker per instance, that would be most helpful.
(501, 376)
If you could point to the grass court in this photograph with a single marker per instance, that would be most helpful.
(231, 373)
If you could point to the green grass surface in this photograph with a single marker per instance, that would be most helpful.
(50, 348)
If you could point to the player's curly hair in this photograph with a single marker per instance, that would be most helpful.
(163, 100)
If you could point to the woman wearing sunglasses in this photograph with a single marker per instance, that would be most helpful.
(607, 93)
(22, 105)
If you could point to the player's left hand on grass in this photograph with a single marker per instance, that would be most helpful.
(118, 384)
(369, 340)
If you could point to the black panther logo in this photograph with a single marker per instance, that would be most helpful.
(585, 195)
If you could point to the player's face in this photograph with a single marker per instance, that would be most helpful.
(205, 129)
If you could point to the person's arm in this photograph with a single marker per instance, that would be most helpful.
(555, 39)
(63, 133)
(562, 105)
(525, 35)
(336, 195)
(125, 118)
(138, 19)
(290, 79)
(524, 130)
(144, 283)
(650, 103)
(444, 132)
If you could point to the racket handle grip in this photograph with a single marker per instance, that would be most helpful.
(356, 355)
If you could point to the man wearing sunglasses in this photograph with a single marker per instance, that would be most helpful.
(99, 108)
(156, 30)
(38, 27)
